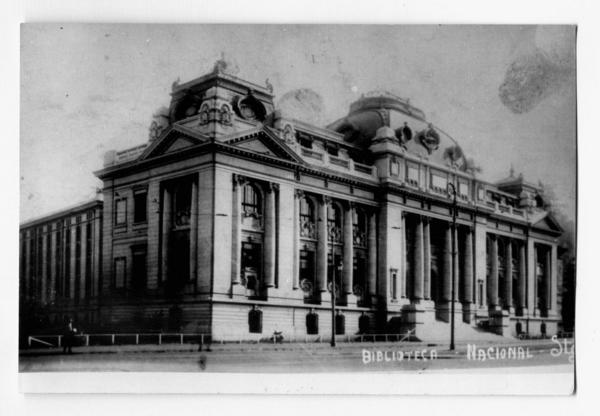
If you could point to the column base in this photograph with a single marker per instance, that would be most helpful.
(238, 290)
(412, 315)
(443, 311)
(351, 299)
(499, 321)
(468, 311)
(522, 312)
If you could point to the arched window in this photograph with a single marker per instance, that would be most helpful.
(251, 202)
(307, 218)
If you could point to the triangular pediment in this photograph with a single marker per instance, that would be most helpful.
(178, 144)
(548, 223)
(257, 146)
(173, 139)
(263, 142)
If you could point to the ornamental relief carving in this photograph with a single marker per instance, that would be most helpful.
(308, 229)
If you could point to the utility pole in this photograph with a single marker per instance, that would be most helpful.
(452, 189)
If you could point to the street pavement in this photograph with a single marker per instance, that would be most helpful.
(508, 357)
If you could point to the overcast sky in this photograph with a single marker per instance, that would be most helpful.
(506, 93)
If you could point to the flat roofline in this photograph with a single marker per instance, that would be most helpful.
(82, 206)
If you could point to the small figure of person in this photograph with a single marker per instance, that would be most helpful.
(69, 337)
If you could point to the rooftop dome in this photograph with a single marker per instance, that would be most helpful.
(377, 110)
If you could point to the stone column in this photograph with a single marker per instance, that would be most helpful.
(166, 230)
(83, 259)
(236, 246)
(298, 195)
(548, 279)
(322, 245)
(467, 283)
(45, 259)
(553, 279)
(456, 266)
(508, 276)
(54, 256)
(522, 279)
(372, 241)
(530, 277)
(418, 271)
(194, 232)
(426, 260)
(72, 230)
(492, 294)
(348, 254)
(403, 266)
(270, 236)
(96, 254)
(447, 265)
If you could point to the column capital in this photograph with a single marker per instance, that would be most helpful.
(326, 200)
(238, 180)
(272, 187)
(299, 193)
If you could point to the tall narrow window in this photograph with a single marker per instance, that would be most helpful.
(138, 270)
(394, 283)
(308, 275)
(183, 204)
(59, 257)
(251, 202)
(334, 223)
(140, 206)
(480, 292)
(67, 273)
(251, 268)
(88, 260)
(120, 271)
(307, 219)
(77, 262)
(48, 264)
(121, 211)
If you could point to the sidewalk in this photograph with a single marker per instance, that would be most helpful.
(315, 347)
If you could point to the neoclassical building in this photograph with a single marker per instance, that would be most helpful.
(235, 218)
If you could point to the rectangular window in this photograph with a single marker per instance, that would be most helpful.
(439, 183)
(120, 212)
(77, 262)
(394, 168)
(305, 142)
(394, 283)
(59, 257)
(48, 264)
(88, 260)
(138, 270)
(480, 292)
(463, 189)
(140, 206)
(67, 273)
(307, 275)
(412, 174)
(120, 270)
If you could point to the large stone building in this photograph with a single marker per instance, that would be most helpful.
(235, 217)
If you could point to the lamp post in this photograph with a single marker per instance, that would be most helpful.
(333, 285)
(452, 190)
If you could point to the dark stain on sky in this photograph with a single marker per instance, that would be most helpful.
(529, 80)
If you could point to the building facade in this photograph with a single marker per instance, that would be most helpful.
(235, 218)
